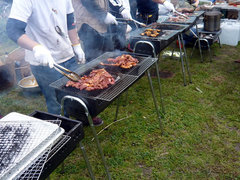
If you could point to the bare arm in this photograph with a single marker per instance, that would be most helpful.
(25, 42)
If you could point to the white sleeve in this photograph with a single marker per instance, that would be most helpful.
(69, 7)
(21, 10)
(126, 4)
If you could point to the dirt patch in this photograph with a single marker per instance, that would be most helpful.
(218, 78)
(147, 171)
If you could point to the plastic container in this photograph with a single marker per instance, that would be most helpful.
(230, 33)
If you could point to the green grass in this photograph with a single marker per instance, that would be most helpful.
(201, 128)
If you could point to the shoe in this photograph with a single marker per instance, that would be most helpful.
(97, 121)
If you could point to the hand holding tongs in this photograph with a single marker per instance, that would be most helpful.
(180, 14)
(72, 75)
(133, 20)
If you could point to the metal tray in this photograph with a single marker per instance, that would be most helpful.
(40, 138)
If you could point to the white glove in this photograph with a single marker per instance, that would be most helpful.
(110, 19)
(79, 53)
(43, 56)
(126, 14)
(169, 6)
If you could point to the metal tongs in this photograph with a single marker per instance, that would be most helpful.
(71, 76)
(133, 20)
(180, 14)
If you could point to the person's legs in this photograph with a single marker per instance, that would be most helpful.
(45, 76)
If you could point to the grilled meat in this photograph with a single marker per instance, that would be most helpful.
(151, 32)
(125, 61)
(177, 19)
(97, 79)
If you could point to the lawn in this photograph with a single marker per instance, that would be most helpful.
(201, 137)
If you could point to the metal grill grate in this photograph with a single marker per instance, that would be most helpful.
(138, 71)
(24, 143)
(117, 89)
(35, 170)
(167, 26)
(123, 79)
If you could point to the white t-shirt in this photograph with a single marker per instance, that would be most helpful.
(42, 18)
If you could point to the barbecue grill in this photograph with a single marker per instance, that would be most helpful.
(98, 100)
(190, 20)
(86, 104)
(160, 42)
(73, 135)
(196, 13)
(25, 143)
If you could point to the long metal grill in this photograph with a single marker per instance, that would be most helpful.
(178, 27)
(190, 20)
(123, 78)
(165, 35)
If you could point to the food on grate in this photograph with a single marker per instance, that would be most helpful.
(178, 19)
(151, 32)
(125, 61)
(97, 79)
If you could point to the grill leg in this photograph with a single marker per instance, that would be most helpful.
(126, 97)
(116, 114)
(185, 55)
(62, 167)
(155, 101)
(92, 127)
(182, 62)
(86, 160)
(159, 87)
(199, 44)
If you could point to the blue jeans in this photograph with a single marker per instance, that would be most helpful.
(45, 76)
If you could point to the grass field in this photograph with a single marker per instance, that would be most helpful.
(201, 126)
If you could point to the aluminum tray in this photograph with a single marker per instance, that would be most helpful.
(40, 136)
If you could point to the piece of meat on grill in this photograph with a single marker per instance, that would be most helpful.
(97, 79)
(151, 32)
(125, 61)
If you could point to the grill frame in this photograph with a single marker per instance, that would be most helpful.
(190, 21)
(97, 104)
(168, 34)
(73, 129)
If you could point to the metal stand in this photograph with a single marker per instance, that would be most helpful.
(86, 160)
(155, 101)
(157, 69)
(116, 114)
(182, 62)
(198, 40)
(92, 127)
(186, 60)
(159, 86)
(214, 38)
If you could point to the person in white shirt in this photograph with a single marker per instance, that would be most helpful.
(164, 9)
(46, 29)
